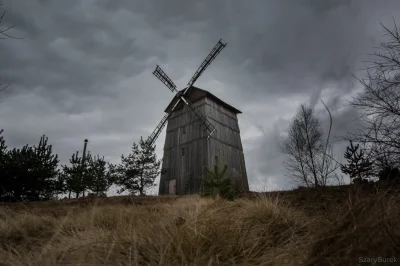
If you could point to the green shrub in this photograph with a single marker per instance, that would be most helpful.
(215, 183)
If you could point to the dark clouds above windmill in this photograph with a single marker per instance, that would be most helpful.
(83, 68)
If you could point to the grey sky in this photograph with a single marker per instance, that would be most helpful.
(83, 69)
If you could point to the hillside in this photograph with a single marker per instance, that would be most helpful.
(333, 226)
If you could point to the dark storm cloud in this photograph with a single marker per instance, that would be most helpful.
(83, 68)
(73, 48)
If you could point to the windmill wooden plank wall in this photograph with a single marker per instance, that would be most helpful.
(187, 149)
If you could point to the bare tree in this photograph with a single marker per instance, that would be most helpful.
(309, 162)
(380, 101)
(3, 35)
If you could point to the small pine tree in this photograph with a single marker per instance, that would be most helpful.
(99, 175)
(358, 168)
(215, 182)
(29, 173)
(18, 168)
(139, 169)
(150, 166)
(4, 193)
(75, 176)
(46, 169)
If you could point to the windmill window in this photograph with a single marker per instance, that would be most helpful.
(183, 151)
(184, 130)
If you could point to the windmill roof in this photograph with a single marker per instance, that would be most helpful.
(195, 94)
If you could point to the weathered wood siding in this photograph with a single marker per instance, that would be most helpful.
(226, 143)
(198, 151)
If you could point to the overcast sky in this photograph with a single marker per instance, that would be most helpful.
(84, 69)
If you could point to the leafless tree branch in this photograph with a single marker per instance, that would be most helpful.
(380, 100)
(3, 31)
(3, 34)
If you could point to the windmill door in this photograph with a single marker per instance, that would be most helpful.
(172, 186)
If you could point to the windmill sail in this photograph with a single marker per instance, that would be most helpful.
(152, 138)
(163, 77)
(211, 56)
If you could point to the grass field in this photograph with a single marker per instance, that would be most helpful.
(333, 226)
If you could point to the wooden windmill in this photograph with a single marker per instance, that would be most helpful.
(200, 126)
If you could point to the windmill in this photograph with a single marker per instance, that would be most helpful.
(193, 134)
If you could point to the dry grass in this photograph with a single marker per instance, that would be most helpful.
(304, 227)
